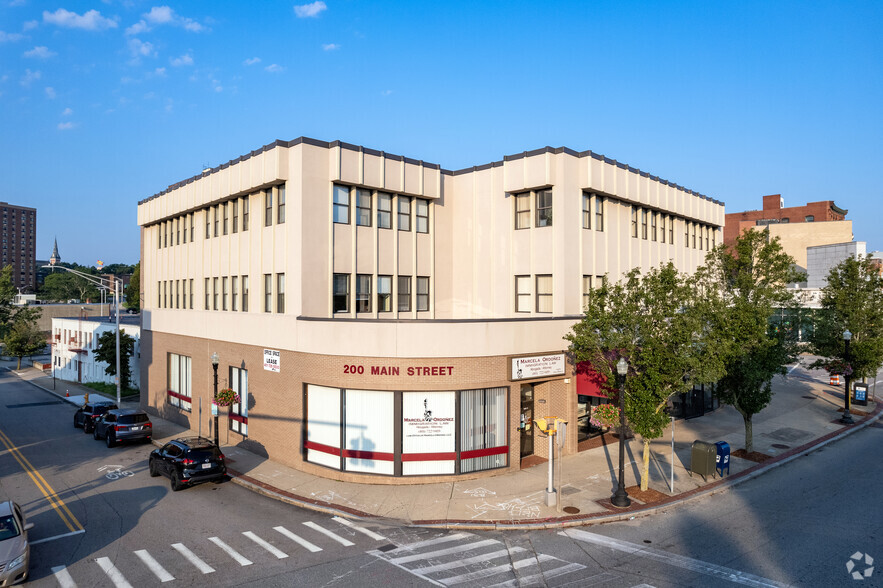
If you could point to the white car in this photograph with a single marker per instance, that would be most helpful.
(15, 551)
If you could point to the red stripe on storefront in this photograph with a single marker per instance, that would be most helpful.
(429, 456)
(484, 452)
(241, 419)
(323, 448)
(379, 456)
(179, 396)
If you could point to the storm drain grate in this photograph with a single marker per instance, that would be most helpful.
(781, 446)
(387, 547)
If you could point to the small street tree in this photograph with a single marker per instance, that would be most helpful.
(658, 323)
(23, 337)
(106, 352)
(853, 300)
(133, 290)
(750, 278)
(7, 295)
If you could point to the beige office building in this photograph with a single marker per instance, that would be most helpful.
(385, 320)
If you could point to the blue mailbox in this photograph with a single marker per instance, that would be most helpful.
(723, 457)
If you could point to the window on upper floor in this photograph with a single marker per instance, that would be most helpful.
(587, 291)
(234, 293)
(215, 293)
(404, 214)
(216, 216)
(341, 204)
(809, 218)
(235, 226)
(280, 293)
(207, 295)
(644, 224)
(226, 213)
(224, 286)
(384, 293)
(340, 297)
(244, 293)
(587, 210)
(185, 222)
(404, 294)
(363, 292)
(544, 208)
(268, 207)
(635, 222)
(422, 293)
(544, 293)
(363, 207)
(268, 293)
(599, 212)
(522, 293)
(662, 218)
(384, 210)
(280, 204)
(244, 213)
(653, 227)
(522, 210)
(422, 215)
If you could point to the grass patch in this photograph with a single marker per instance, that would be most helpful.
(110, 390)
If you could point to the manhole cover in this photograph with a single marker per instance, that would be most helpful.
(571, 510)
(780, 446)
(809, 397)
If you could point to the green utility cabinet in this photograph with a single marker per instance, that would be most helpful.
(703, 459)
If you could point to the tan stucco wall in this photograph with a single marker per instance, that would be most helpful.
(796, 237)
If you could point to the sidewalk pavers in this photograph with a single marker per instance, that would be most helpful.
(801, 416)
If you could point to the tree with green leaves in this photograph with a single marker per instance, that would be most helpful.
(24, 338)
(659, 323)
(106, 352)
(133, 290)
(7, 295)
(852, 300)
(750, 280)
(62, 286)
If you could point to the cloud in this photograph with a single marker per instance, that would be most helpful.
(330, 46)
(30, 76)
(29, 25)
(66, 126)
(273, 68)
(50, 92)
(185, 59)
(67, 112)
(310, 10)
(90, 21)
(17, 2)
(163, 15)
(217, 86)
(10, 37)
(160, 72)
(40, 53)
(141, 48)
(386, 93)
(252, 61)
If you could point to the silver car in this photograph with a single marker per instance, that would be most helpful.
(15, 552)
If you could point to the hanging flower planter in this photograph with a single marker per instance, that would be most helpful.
(226, 397)
(605, 415)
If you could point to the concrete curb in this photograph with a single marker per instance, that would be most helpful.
(720, 486)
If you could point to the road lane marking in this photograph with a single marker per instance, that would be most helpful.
(231, 552)
(338, 538)
(687, 563)
(469, 560)
(541, 578)
(62, 536)
(436, 541)
(113, 573)
(440, 552)
(191, 557)
(355, 527)
(486, 572)
(297, 539)
(155, 567)
(51, 496)
(279, 554)
(63, 577)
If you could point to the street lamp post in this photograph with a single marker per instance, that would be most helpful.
(847, 417)
(215, 360)
(621, 498)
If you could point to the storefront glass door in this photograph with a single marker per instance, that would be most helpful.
(527, 419)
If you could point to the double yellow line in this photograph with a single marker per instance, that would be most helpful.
(57, 503)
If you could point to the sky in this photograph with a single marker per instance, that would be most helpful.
(105, 103)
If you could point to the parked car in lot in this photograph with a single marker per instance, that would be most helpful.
(86, 414)
(123, 424)
(188, 460)
(15, 551)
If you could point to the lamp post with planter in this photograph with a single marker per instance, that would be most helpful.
(621, 498)
(846, 419)
(215, 360)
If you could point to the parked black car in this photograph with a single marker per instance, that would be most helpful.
(86, 414)
(123, 424)
(188, 460)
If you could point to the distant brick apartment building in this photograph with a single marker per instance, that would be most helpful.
(19, 244)
(792, 226)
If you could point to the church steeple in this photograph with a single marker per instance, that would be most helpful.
(55, 257)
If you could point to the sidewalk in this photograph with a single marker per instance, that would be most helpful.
(802, 417)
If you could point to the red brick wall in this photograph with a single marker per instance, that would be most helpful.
(736, 222)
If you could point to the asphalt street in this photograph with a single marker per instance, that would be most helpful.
(102, 521)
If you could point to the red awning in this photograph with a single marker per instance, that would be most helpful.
(589, 382)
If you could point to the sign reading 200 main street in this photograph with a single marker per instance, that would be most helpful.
(537, 366)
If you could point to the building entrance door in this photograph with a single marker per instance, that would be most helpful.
(527, 419)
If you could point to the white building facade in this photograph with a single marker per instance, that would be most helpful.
(384, 319)
(74, 341)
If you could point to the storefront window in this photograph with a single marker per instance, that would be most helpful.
(323, 426)
(428, 443)
(369, 436)
(483, 443)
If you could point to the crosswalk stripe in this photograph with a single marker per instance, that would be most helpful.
(299, 540)
(440, 552)
(355, 527)
(114, 574)
(155, 567)
(469, 560)
(63, 577)
(191, 557)
(240, 559)
(430, 542)
(538, 579)
(484, 573)
(279, 554)
(338, 538)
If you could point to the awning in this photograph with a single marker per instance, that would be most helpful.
(589, 382)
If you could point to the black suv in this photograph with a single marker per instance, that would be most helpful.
(188, 460)
(86, 414)
(123, 424)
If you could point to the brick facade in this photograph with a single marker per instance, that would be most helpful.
(736, 222)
